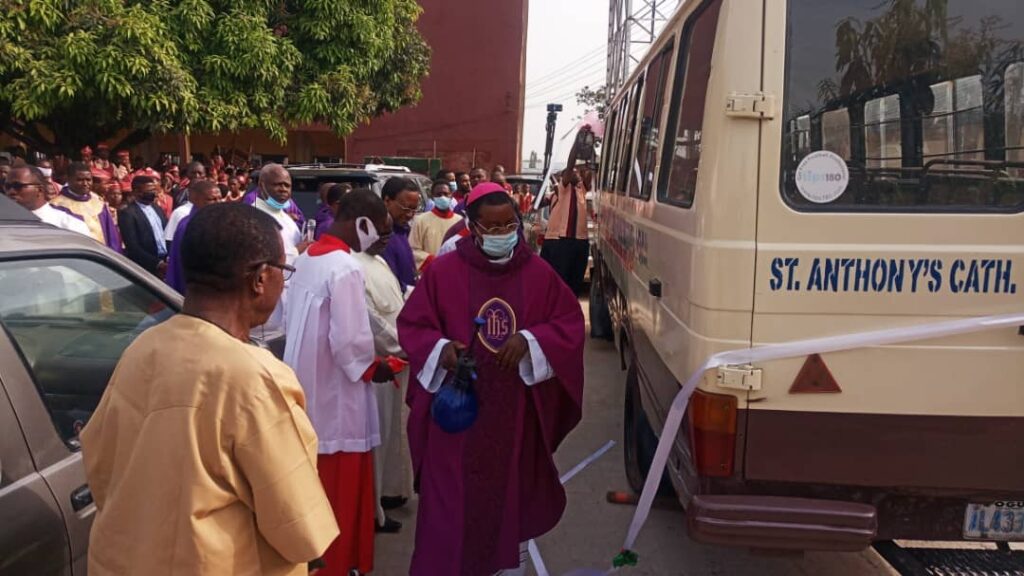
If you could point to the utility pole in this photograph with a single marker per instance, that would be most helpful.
(549, 141)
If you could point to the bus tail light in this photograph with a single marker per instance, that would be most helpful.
(713, 432)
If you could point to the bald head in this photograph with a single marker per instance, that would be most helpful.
(275, 183)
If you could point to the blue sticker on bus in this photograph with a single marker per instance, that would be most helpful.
(893, 275)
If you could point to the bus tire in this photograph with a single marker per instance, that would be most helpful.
(639, 439)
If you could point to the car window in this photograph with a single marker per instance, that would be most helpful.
(627, 162)
(70, 320)
(650, 124)
(678, 182)
(904, 106)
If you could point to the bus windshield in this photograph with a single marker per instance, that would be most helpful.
(923, 100)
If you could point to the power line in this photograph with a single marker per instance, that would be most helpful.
(574, 86)
(589, 60)
(590, 53)
(578, 76)
(598, 63)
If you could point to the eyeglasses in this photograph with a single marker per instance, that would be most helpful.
(506, 229)
(286, 269)
(409, 209)
(18, 186)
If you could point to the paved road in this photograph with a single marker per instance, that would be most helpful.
(592, 530)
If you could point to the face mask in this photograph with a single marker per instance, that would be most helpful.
(499, 245)
(453, 186)
(443, 203)
(147, 197)
(368, 238)
(275, 204)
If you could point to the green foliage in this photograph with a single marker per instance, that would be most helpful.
(908, 39)
(74, 72)
(593, 99)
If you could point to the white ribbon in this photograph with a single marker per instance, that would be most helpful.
(790, 350)
(538, 562)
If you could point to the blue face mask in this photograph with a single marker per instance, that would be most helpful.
(499, 245)
(277, 205)
(443, 203)
(453, 186)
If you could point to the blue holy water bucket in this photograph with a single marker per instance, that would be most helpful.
(454, 407)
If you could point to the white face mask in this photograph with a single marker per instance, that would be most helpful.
(366, 238)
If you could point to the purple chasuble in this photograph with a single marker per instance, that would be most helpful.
(398, 255)
(324, 218)
(175, 267)
(487, 489)
(293, 208)
(111, 235)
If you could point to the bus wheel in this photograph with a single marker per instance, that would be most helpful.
(639, 440)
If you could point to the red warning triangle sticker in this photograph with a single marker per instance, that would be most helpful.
(814, 377)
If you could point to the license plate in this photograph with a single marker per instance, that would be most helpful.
(996, 521)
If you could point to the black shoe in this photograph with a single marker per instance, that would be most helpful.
(392, 502)
(390, 526)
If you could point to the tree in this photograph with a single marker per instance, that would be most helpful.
(594, 100)
(75, 72)
(910, 39)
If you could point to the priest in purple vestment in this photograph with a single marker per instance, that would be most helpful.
(329, 200)
(486, 490)
(402, 198)
(77, 197)
(201, 193)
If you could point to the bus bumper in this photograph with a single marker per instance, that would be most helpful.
(778, 522)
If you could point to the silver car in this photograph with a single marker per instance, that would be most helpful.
(68, 308)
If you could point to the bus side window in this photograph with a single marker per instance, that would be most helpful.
(835, 132)
(620, 130)
(608, 153)
(680, 161)
(882, 132)
(627, 160)
(1014, 94)
(650, 126)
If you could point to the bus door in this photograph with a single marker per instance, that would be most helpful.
(892, 194)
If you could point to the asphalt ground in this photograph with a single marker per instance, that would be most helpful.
(592, 530)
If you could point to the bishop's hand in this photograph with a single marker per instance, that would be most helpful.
(450, 355)
(512, 352)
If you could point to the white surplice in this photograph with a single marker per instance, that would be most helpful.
(330, 347)
(177, 215)
(384, 301)
(61, 219)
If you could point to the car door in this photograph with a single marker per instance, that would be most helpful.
(67, 321)
(33, 538)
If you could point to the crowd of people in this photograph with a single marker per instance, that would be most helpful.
(211, 456)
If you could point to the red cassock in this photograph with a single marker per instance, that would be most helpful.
(485, 490)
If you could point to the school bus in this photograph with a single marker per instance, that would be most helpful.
(776, 170)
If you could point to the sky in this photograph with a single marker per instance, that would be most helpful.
(565, 50)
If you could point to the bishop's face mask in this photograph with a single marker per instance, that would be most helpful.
(499, 245)
(367, 233)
